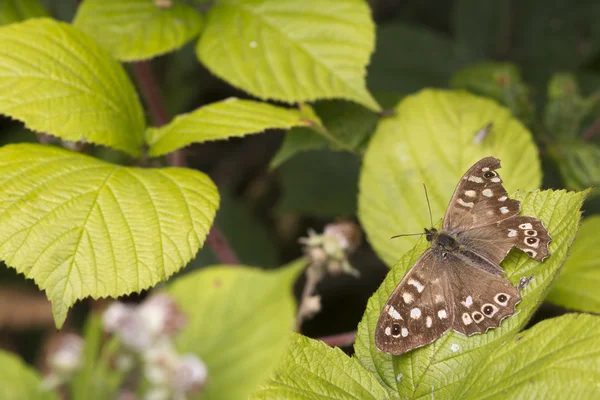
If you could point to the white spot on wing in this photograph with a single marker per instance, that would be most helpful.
(408, 298)
(485, 169)
(487, 192)
(438, 299)
(512, 233)
(388, 331)
(464, 203)
(442, 314)
(503, 198)
(466, 318)
(404, 332)
(416, 284)
(470, 193)
(454, 347)
(468, 301)
(428, 322)
(526, 226)
(504, 210)
(415, 313)
(393, 313)
(496, 179)
(475, 179)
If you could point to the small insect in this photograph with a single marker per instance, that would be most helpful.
(458, 283)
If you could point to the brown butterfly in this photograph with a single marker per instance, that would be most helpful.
(457, 283)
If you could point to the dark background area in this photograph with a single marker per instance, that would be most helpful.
(420, 43)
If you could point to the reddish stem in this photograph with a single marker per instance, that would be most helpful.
(339, 340)
(151, 94)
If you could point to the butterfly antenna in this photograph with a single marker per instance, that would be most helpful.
(408, 234)
(428, 205)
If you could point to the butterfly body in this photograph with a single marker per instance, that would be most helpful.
(458, 283)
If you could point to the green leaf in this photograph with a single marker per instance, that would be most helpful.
(556, 359)
(442, 367)
(431, 139)
(291, 51)
(578, 282)
(482, 26)
(228, 118)
(81, 227)
(19, 381)
(239, 323)
(409, 58)
(59, 81)
(133, 30)
(311, 370)
(578, 164)
(320, 183)
(500, 81)
(348, 127)
(567, 109)
(19, 10)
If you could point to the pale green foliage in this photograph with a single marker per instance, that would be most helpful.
(443, 366)
(578, 285)
(57, 80)
(282, 50)
(229, 118)
(82, 227)
(133, 30)
(556, 359)
(311, 370)
(18, 10)
(18, 381)
(239, 323)
(431, 141)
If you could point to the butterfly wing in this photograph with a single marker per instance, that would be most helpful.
(481, 300)
(479, 199)
(418, 311)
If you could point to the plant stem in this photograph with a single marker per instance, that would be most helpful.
(591, 131)
(339, 340)
(151, 94)
(313, 276)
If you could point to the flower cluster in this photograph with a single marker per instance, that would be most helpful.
(146, 332)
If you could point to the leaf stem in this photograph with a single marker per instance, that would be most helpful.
(151, 94)
(339, 340)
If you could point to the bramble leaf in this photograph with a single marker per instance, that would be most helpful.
(433, 139)
(311, 370)
(228, 118)
(291, 51)
(82, 227)
(133, 30)
(19, 381)
(577, 284)
(556, 359)
(19, 10)
(442, 367)
(59, 81)
(239, 324)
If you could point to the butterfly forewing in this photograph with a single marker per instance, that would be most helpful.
(418, 311)
(480, 199)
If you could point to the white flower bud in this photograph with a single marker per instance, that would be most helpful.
(189, 374)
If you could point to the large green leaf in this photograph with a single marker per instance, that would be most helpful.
(556, 359)
(311, 370)
(239, 323)
(19, 381)
(134, 30)
(81, 227)
(578, 283)
(291, 51)
(432, 139)
(442, 367)
(229, 118)
(19, 10)
(57, 80)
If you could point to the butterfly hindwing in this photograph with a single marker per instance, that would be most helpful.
(418, 311)
(480, 199)
(528, 234)
(481, 300)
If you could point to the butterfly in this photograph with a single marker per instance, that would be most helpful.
(458, 283)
